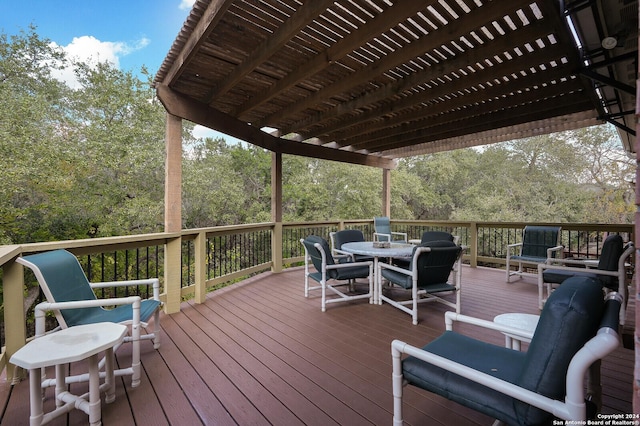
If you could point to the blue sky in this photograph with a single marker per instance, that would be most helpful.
(128, 33)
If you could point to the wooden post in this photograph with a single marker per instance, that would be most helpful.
(386, 192)
(473, 244)
(14, 317)
(173, 175)
(276, 211)
(173, 212)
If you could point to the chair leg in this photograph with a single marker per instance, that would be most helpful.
(397, 382)
(323, 284)
(156, 329)
(414, 312)
(135, 349)
(540, 291)
(508, 270)
(594, 386)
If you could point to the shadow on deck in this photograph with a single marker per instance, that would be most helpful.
(258, 352)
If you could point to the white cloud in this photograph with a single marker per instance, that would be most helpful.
(90, 50)
(201, 132)
(186, 4)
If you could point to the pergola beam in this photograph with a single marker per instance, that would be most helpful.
(184, 107)
(213, 14)
(345, 110)
(399, 11)
(456, 29)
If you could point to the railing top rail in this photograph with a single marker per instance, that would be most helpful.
(97, 245)
(314, 223)
(226, 229)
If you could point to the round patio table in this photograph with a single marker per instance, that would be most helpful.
(396, 250)
(526, 322)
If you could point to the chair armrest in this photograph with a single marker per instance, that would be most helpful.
(574, 411)
(551, 251)
(403, 234)
(341, 254)
(564, 262)
(42, 308)
(377, 235)
(451, 317)
(543, 266)
(155, 282)
(384, 265)
(513, 246)
(350, 264)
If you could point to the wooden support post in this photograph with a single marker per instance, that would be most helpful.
(173, 212)
(15, 334)
(473, 244)
(276, 211)
(386, 192)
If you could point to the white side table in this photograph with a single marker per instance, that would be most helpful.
(526, 322)
(60, 348)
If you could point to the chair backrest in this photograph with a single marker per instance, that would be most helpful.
(612, 249)
(347, 236)
(428, 236)
(61, 279)
(316, 256)
(571, 316)
(434, 266)
(537, 239)
(382, 225)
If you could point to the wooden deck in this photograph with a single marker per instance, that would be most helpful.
(260, 353)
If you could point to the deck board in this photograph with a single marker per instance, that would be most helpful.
(258, 352)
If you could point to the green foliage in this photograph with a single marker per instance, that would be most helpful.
(89, 161)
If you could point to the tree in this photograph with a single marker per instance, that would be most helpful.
(224, 185)
(32, 122)
(607, 173)
(119, 135)
(78, 163)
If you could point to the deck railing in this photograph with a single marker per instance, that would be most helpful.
(196, 261)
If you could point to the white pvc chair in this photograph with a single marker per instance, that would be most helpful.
(71, 297)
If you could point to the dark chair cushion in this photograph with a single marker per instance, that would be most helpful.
(347, 236)
(434, 267)
(350, 236)
(436, 236)
(569, 319)
(494, 360)
(336, 274)
(536, 241)
(612, 249)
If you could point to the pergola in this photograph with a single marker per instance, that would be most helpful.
(370, 81)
